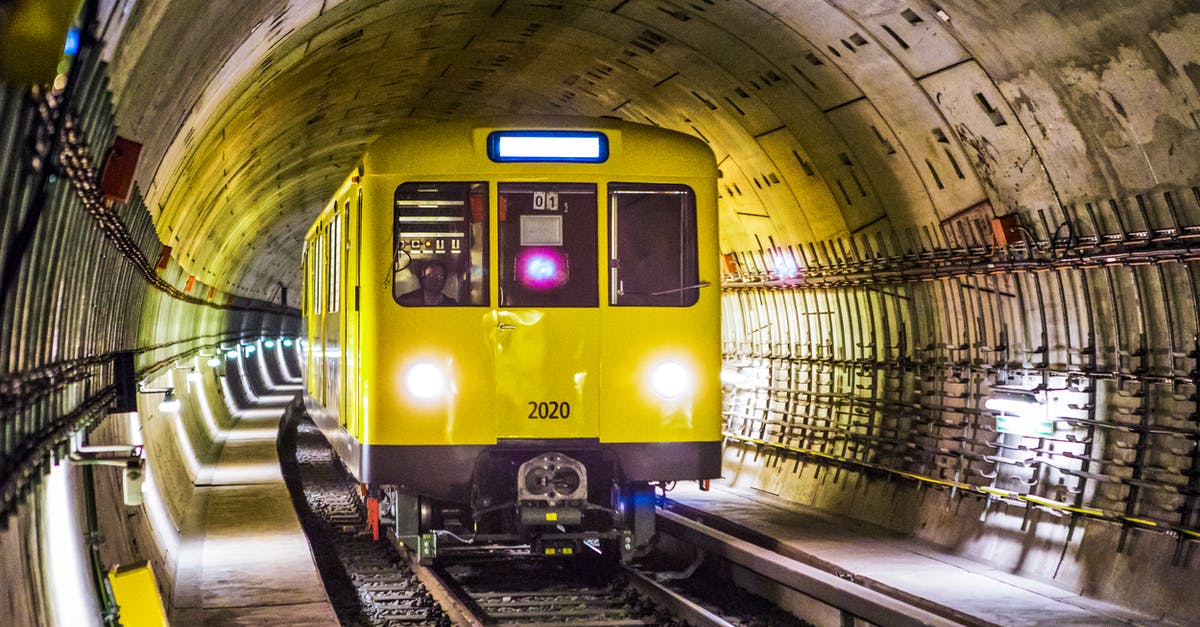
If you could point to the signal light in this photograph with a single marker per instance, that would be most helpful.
(542, 268)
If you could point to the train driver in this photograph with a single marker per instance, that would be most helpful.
(433, 280)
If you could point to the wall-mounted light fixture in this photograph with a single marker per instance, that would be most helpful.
(169, 403)
(735, 377)
(1020, 412)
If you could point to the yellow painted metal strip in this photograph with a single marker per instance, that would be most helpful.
(136, 592)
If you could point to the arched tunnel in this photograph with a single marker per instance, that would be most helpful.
(959, 289)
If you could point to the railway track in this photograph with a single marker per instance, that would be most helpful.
(373, 583)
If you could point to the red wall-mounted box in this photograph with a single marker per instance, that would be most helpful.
(117, 179)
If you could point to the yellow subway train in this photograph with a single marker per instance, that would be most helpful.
(512, 331)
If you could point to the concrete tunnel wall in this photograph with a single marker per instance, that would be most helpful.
(876, 158)
(46, 567)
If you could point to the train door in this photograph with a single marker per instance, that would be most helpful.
(333, 340)
(316, 343)
(547, 319)
(665, 370)
(441, 282)
(354, 334)
(349, 315)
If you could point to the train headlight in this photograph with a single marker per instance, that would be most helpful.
(669, 380)
(425, 380)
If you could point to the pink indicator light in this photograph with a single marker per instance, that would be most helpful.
(541, 269)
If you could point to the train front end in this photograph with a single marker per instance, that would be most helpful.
(539, 332)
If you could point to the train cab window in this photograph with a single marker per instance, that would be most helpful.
(547, 235)
(441, 239)
(652, 231)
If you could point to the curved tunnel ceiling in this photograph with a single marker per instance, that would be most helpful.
(829, 117)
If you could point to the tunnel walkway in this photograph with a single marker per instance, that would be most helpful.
(972, 592)
(244, 559)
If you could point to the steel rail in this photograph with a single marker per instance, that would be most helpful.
(852, 599)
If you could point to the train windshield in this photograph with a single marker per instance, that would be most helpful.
(547, 235)
(441, 237)
(652, 236)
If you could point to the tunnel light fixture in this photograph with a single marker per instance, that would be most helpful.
(269, 343)
(1020, 412)
(736, 378)
(231, 354)
(249, 349)
(548, 146)
(213, 362)
(787, 268)
(287, 342)
(194, 376)
(169, 404)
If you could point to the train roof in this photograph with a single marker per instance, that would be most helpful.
(460, 146)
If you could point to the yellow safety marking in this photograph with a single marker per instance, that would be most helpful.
(552, 516)
(1099, 513)
(1141, 521)
(137, 597)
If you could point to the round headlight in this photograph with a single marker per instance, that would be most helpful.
(425, 381)
(669, 380)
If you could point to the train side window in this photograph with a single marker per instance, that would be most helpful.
(547, 235)
(319, 294)
(441, 244)
(652, 231)
(335, 264)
